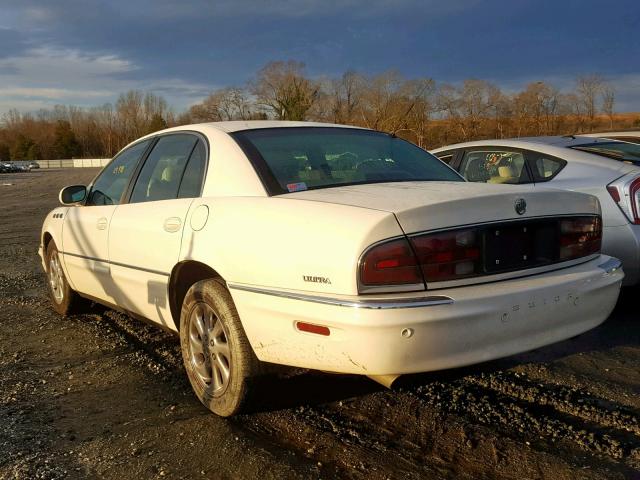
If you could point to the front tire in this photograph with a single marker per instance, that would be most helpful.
(217, 356)
(64, 299)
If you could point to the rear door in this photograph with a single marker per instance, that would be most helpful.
(146, 233)
(86, 228)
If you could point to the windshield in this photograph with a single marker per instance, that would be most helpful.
(627, 152)
(303, 158)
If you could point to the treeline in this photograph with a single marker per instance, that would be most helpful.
(419, 109)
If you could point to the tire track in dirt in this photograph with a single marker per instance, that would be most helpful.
(565, 399)
(494, 401)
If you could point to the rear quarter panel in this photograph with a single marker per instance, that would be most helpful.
(275, 242)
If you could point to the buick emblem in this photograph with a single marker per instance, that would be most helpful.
(520, 206)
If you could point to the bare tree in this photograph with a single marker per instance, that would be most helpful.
(588, 89)
(608, 103)
(230, 103)
(283, 88)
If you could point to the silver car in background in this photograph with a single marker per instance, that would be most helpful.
(606, 168)
(632, 136)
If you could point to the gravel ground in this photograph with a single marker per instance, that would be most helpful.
(99, 395)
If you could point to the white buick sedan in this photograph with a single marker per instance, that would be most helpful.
(324, 247)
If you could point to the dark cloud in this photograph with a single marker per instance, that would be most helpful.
(189, 45)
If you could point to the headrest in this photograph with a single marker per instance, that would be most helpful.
(507, 171)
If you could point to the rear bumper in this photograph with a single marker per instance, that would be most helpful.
(444, 329)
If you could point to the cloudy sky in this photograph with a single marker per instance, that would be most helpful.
(85, 52)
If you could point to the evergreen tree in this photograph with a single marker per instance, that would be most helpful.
(65, 144)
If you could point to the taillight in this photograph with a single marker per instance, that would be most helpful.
(449, 255)
(579, 237)
(634, 198)
(413, 263)
(615, 194)
(626, 193)
(392, 263)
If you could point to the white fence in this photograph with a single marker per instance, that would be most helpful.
(75, 163)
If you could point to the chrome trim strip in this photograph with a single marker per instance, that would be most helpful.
(148, 270)
(611, 265)
(523, 219)
(512, 275)
(380, 304)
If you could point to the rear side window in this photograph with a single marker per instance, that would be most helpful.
(161, 174)
(494, 166)
(112, 181)
(627, 139)
(623, 151)
(545, 167)
(191, 184)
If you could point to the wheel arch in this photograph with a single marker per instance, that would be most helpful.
(46, 240)
(183, 276)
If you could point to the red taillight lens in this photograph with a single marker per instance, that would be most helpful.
(448, 255)
(625, 192)
(615, 194)
(390, 263)
(580, 237)
(634, 197)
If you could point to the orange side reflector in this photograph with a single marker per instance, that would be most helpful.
(312, 328)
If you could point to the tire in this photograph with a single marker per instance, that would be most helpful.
(217, 356)
(64, 299)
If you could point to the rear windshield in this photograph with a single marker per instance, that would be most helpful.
(303, 158)
(626, 152)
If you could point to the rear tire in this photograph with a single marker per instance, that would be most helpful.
(217, 356)
(64, 299)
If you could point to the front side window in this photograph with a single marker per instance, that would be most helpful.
(161, 174)
(623, 151)
(303, 158)
(108, 188)
(494, 166)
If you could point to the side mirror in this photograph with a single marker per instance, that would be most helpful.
(72, 194)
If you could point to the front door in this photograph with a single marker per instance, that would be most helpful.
(85, 233)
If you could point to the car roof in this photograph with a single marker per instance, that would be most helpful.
(239, 125)
(531, 142)
(621, 133)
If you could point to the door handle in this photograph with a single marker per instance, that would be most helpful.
(102, 223)
(172, 224)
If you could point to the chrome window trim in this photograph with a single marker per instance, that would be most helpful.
(375, 304)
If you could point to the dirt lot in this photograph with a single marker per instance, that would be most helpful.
(100, 395)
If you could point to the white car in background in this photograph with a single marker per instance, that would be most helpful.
(324, 247)
(605, 168)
